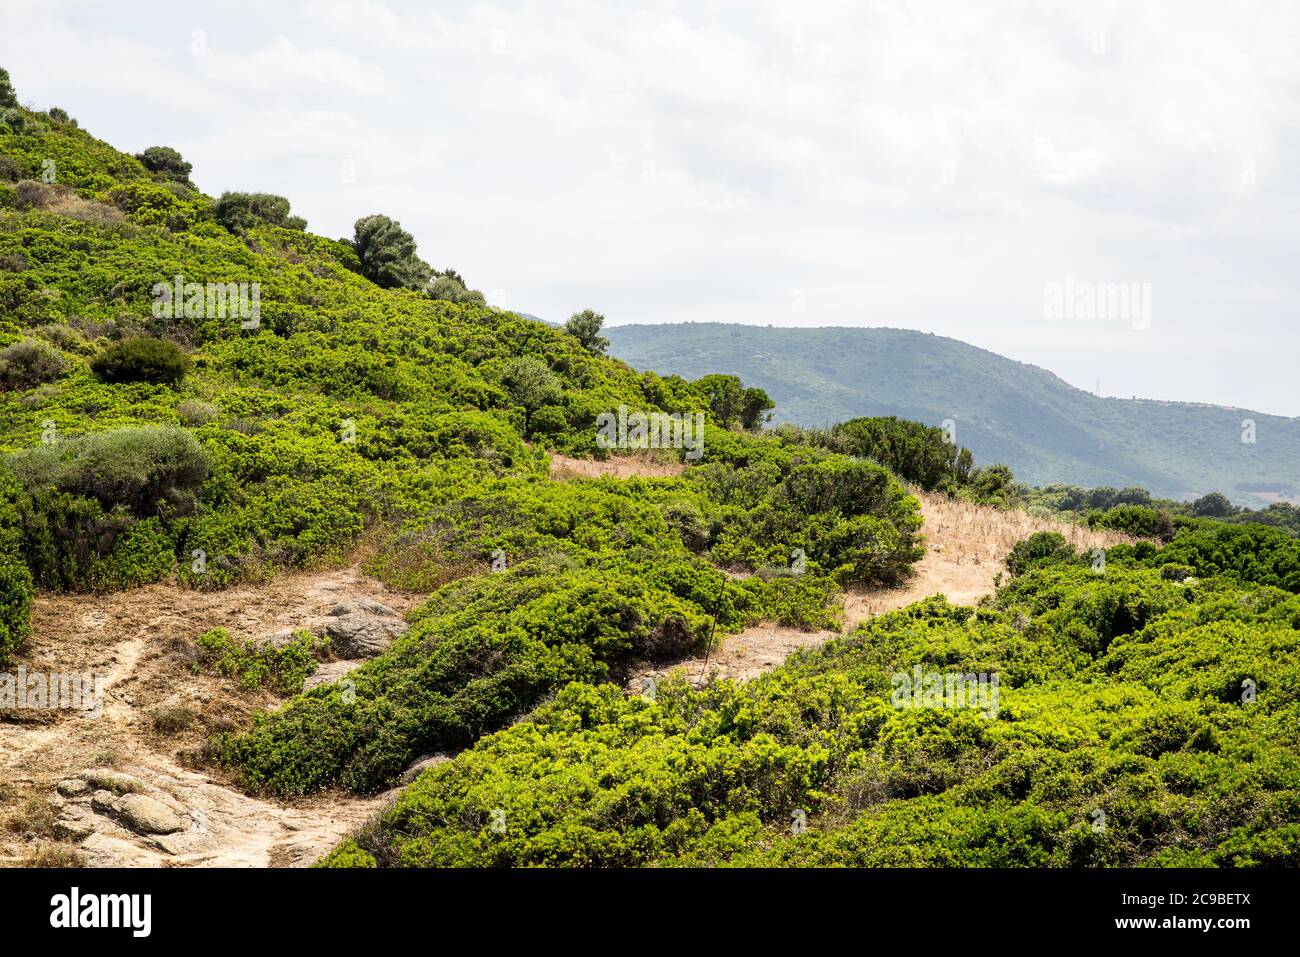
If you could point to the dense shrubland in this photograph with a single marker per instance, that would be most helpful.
(916, 453)
(349, 408)
(1121, 693)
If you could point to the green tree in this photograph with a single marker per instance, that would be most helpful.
(240, 212)
(387, 254)
(755, 408)
(724, 396)
(1214, 505)
(166, 162)
(531, 384)
(446, 288)
(7, 95)
(585, 326)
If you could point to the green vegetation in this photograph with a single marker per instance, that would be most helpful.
(282, 668)
(240, 212)
(387, 254)
(1120, 693)
(167, 163)
(15, 578)
(28, 363)
(142, 360)
(7, 96)
(585, 326)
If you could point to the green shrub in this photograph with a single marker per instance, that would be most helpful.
(1140, 521)
(282, 669)
(1039, 549)
(387, 254)
(27, 363)
(347, 854)
(144, 469)
(159, 361)
(167, 162)
(452, 290)
(240, 212)
(15, 579)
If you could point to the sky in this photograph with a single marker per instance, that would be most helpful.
(1104, 189)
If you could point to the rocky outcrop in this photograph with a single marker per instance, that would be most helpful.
(362, 628)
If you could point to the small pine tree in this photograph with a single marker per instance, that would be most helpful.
(7, 95)
(585, 326)
(387, 254)
(166, 162)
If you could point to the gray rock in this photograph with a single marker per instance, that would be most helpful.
(361, 634)
(422, 764)
(328, 673)
(71, 787)
(147, 815)
(365, 606)
(107, 779)
(103, 800)
(74, 831)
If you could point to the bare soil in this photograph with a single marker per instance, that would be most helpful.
(156, 711)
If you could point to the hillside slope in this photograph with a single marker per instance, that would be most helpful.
(1005, 411)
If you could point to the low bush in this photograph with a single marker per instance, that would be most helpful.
(159, 361)
(282, 668)
(28, 363)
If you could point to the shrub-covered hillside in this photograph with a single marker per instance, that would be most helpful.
(1139, 719)
(203, 389)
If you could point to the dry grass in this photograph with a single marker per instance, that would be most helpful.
(62, 200)
(33, 818)
(53, 856)
(964, 532)
(640, 464)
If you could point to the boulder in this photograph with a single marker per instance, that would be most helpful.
(147, 815)
(361, 634)
(365, 606)
(106, 779)
(423, 763)
(72, 787)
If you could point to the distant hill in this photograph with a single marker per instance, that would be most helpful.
(1005, 411)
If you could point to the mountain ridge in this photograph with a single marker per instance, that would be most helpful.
(1046, 429)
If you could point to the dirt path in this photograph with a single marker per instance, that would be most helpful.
(155, 708)
(966, 548)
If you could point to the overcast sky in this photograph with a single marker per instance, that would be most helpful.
(942, 166)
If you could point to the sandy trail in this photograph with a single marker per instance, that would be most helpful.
(966, 549)
(140, 642)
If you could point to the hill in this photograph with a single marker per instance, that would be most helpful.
(1005, 411)
(200, 399)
